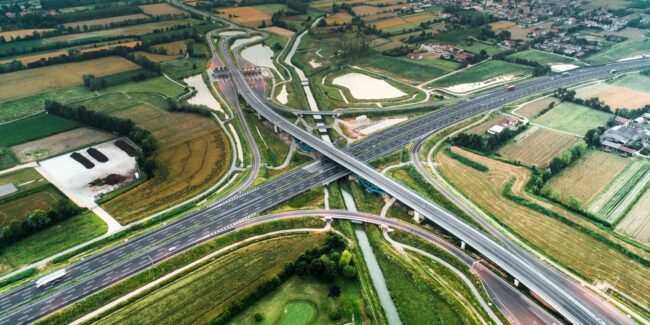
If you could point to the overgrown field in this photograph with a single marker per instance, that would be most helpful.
(572, 118)
(407, 69)
(537, 146)
(542, 57)
(193, 153)
(34, 192)
(54, 239)
(422, 294)
(30, 82)
(205, 293)
(588, 177)
(23, 107)
(619, 51)
(582, 253)
(33, 128)
(482, 72)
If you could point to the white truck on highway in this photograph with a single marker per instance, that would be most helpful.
(51, 278)
(613, 71)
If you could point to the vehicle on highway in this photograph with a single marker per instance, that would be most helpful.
(613, 71)
(51, 278)
(511, 88)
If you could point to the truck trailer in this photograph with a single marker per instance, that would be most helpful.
(51, 278)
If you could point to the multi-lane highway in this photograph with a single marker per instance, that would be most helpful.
(567, 302)
(28, 303)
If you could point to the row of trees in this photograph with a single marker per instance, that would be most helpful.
(123, 127)
(37, 220)
(177, 106)
(95, 83)
(487, 143)
(538, 68)
(569, 95)
(565, 159)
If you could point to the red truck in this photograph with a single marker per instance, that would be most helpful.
(511, 88)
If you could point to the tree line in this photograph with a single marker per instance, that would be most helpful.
(487, 143)
(325, 263)
(569, 95)
(174, 105)
(567, 158)
(37, 220)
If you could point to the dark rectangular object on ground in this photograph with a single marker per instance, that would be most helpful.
(126, 147)
(82, 160)
(98, 155)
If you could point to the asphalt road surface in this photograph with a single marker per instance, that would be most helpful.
(27, 303)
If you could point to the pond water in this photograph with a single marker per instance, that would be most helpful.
(203, 95)
(260, 55)
(362, 86)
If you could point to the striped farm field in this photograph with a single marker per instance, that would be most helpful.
(585, 254)
(537, 146)
(247, 16)
(613, 202)
(104, 21)
(636, 222)
(588, 177)
(37, 57)
(30, 82)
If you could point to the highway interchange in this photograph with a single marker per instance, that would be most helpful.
(26, 303)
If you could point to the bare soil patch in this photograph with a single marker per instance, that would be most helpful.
(616, 96)
(339, 18)
(104, 21)
(161, 9)
(280, 31)
(59, 143)
(247, 16)
(531, 109)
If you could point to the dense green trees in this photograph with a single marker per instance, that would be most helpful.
(487, 143)
(35, 221)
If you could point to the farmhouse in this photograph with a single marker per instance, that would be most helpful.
(496, 129)
(624, 134)
(414, 56)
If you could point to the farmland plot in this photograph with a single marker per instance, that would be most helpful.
(611, 203)
(636, 222)
(104, 21)
(59, 143)
(573, 118)
(160, 9)
(247, 16)
(537, 146)
(588, 177)
(631, 91)
(532, 109)
(30, 82)
(589, 257)
(206, 293)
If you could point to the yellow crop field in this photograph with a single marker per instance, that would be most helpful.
(591, 258)
(10, 35)
(173, 48)
(155, 57)
(365, 10)
(403, 20)
(616, 96)
(537, 146)
(104, 21)
(160, 9)
(501, 25)
(247, 16)
(589, 176)
(30, 82)
(37, 57)
(339, 18)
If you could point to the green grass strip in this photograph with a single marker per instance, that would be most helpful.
(466, 161)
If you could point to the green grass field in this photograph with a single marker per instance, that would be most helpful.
(271, 8)
(420, 296)
(300, 301)
(204, 294)
(24, 107)
(620, 51)
(158, 85)
(272, 148)
(541, 57)
(180, 69)
(7, 159)
(573, 118)
(405, 68)
(33, 128)
(635, 81)
(52, 240)
(483, 71)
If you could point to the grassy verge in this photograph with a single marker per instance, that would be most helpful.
(466, 161)
(54, 239)
(107, 295)
(420, 298)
